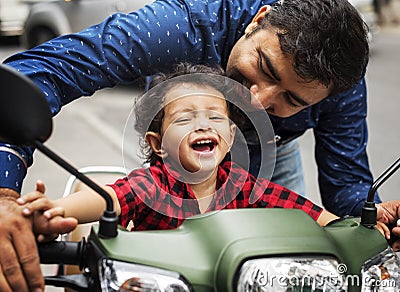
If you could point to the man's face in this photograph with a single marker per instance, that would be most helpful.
(259, 64)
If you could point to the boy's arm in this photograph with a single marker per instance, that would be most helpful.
(86, 205)
(325, 217)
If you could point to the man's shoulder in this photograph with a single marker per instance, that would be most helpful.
(213, 10)
(347, 102)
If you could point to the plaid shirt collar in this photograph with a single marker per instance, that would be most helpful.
(170, 187)
(154, 199)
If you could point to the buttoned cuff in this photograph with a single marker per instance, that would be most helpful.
(12, 169)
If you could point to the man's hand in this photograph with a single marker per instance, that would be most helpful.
(389, 213)
(19, 258)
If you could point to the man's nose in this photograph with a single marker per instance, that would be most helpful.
(265, 95)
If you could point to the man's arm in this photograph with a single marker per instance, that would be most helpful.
(19, 260)
(8, 193)
(125, 47)
(341, 140)
(118, 50)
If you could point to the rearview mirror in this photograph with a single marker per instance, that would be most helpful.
(25, 115)
(25, 119)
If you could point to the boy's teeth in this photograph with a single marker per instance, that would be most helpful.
(204, 145)
(204, 142)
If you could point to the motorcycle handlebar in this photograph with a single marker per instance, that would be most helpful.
(62, 252)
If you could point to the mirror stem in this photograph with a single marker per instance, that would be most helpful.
(109, 220)
(369, 211)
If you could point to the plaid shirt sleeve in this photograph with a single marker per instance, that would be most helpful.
(143, 202)
(126, 199)
(277, 196)
(261, 193)
(280, 197)
(132, 207)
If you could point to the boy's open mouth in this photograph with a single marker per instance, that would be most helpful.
(207, 145)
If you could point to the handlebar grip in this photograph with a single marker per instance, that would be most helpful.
(62, 252)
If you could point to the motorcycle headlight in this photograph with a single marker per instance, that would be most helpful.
(121, 276)
(291, 274)
(381, 273)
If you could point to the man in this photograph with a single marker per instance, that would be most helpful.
(304, 61)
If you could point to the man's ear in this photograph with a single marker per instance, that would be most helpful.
(155, 142)
(256, 20)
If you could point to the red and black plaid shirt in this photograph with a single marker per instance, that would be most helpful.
(152, 198)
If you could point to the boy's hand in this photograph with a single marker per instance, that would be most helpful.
(48, 221)
(37, 201)
(47, 230)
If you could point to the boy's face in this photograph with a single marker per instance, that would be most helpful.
(196, 132)
(257, 62)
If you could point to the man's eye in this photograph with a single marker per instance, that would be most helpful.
(265, 73)
(289, 101)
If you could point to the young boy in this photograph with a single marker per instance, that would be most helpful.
(187, 142)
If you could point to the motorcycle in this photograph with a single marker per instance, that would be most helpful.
(229, 250)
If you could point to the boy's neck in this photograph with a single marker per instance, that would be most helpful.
(204, 191)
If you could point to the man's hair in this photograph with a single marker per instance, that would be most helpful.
(149, 108)
(327, 39)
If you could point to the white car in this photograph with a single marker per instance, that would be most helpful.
(51, 18)
(12, 17)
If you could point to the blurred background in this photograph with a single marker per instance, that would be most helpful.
(90, 130)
